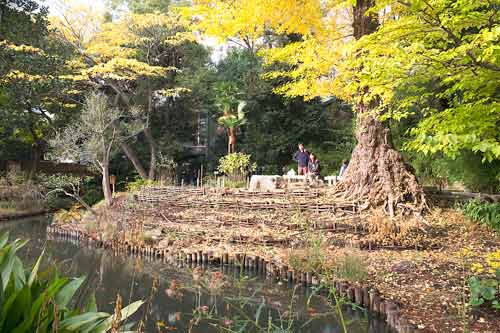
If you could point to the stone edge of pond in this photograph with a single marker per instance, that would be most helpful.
(368, 298)
(20, 215)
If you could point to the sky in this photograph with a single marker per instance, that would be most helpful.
(56, 5)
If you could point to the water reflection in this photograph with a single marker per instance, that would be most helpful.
(187, 299)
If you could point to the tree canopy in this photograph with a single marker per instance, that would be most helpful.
(438, 58)
(424, 72)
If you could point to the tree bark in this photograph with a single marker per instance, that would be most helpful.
(377, 174)
(152, 152)
(131, 155)
(231, 133)
(108, 196)
(36, 155)
(149, 136)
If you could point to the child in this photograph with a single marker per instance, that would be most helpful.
(313, 167)
(345, 164)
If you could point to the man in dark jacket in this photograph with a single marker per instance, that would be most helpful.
(302, 159)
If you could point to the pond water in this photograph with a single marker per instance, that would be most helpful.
(186, 299)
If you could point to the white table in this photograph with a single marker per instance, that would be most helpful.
(297, 178)
(332, 180)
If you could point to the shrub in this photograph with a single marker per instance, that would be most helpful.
(467, 168)
(68, 216)
(483, 212)
(43, 303)
(92, 195)
(236, 165)
(137, 183)
(235, 183)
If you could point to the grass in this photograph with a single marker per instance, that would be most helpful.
(351, 266)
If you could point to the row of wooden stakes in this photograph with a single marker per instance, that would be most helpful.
(368, 298)
(333, 208)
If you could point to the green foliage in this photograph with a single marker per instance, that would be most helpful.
(235, 183)
(34, 96)
(138, 183)
(16, 193)
(484, 291)
(92, 192)
(44, 302)
(275, 125)
(236, 165)
(484, 284)
(309, 259)
(483, 212)
(440, 62)
(466, 169)
(226, 96)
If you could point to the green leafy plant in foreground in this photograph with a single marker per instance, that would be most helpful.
(484, 284)
(42, 302)
(484, 212)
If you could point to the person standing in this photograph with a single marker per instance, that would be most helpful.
(343, 168)
(301, 156)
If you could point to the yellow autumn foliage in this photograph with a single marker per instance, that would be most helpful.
(324, 27)
(115, 48)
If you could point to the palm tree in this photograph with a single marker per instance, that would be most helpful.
(233, 115)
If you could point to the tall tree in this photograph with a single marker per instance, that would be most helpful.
(35, 93)
(333, 56)
(93, 138)
(136, 58)
(231, 112)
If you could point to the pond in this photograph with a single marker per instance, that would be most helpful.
(189, 299)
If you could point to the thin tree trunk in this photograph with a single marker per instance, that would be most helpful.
(81, 201)
(152, 152)
(132, 156)
(35, 160)
(231, 140)
(105, 183)
(149, 137)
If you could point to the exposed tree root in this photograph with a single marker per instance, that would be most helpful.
(377, 176)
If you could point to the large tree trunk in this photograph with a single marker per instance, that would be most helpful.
(131, 155)
(377, 174)
(108, 196)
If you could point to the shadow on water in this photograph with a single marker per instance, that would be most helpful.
(187, 299)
